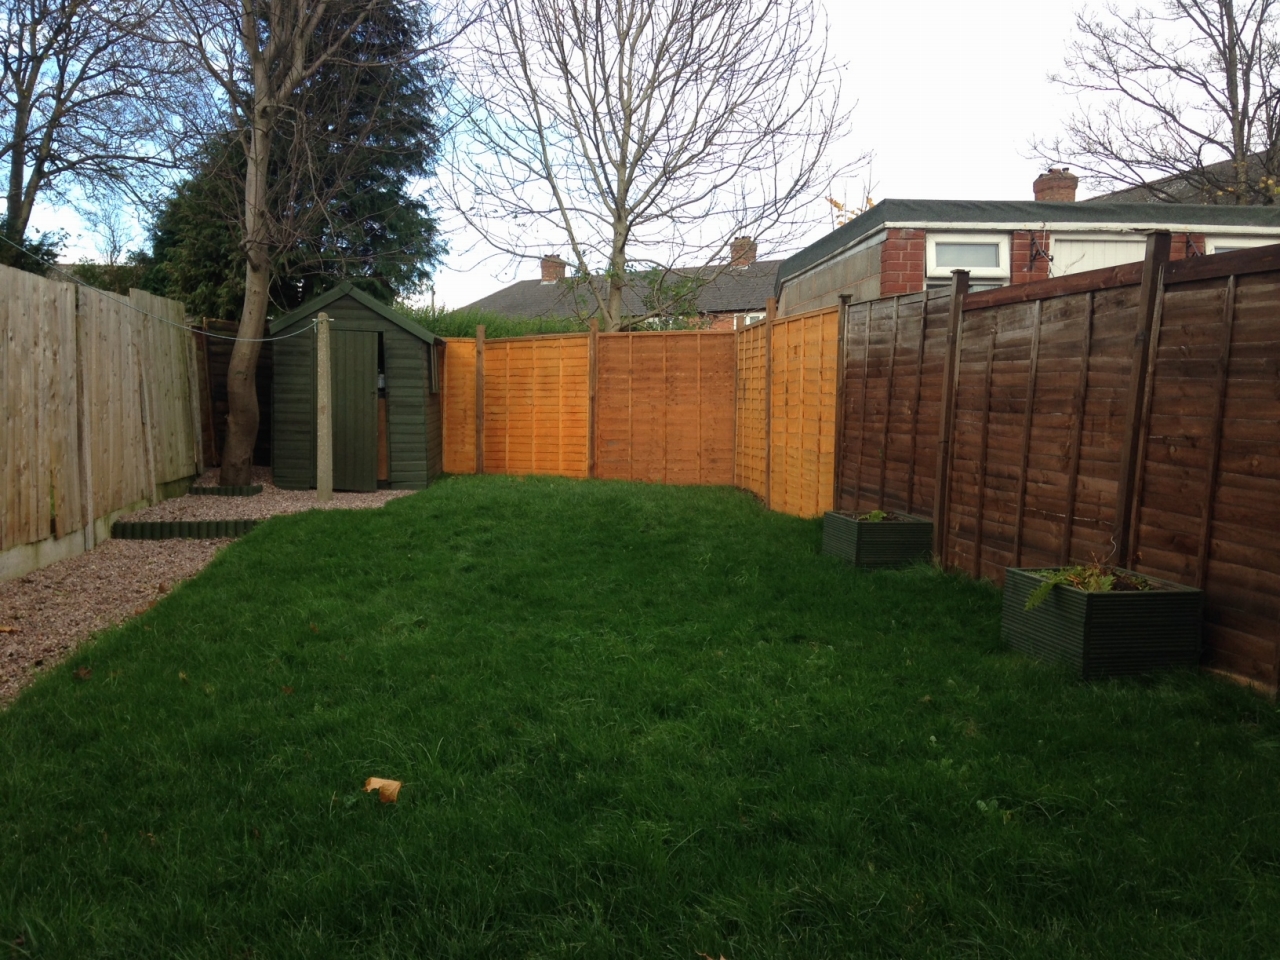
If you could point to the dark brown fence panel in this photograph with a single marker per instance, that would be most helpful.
(1051, 382)
(1208, 491)
(665, 407)
(894, 356)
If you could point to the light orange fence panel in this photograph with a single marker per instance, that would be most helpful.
(750, 461)
(536, 399)
(803, 415)
(665, 407)
(459, 419)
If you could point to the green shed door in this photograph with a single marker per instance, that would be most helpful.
(355, 410)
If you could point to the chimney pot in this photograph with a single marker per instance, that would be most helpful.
(553, 268)
(742, 252)
(1056, 186)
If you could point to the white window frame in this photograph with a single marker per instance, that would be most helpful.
(1211, 243)
(933, 272)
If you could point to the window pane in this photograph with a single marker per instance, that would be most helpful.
(965, 255)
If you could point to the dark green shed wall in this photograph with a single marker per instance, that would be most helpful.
(413, 411)
(293, 413)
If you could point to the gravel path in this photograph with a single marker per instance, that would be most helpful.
(271, 501)
(45, 615)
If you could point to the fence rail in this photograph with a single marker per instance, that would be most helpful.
(100, 412)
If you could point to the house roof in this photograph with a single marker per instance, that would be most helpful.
(727, 289)
(318, 303)
(1186, 188)
(1023, 214)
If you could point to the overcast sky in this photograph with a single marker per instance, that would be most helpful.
(949, 94)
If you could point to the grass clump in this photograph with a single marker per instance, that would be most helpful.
(631, 721)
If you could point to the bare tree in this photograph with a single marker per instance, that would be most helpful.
(265, 56)
(644, 131)
(83, 99)
(1184, 93)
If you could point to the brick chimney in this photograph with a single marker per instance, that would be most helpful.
(552, 268)
(1056, 186)
(742, 252)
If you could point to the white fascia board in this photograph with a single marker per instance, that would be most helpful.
(1072, 226)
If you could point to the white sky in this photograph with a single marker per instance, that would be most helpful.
(949, 94)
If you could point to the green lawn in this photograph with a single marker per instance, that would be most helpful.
(631, 721)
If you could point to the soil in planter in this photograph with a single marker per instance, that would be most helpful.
(868, 518)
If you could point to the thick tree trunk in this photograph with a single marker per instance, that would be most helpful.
(242, 392)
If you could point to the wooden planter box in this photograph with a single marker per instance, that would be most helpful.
(1113, 634)
(877, 543)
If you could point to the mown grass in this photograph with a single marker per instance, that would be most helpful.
(632, 722)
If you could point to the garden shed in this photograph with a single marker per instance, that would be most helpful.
(386, 395)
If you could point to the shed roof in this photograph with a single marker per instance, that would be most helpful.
(318, 303)
(1029, 214)
(727, 289)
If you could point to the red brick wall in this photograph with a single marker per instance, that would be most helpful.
(902, 262)
(1186, 245)
(902, 258)
(1028, 258)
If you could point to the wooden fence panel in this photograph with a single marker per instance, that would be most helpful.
(1040, 417)
(1208, 492)
(665, 408)
(536, 405)
(802, 434)
(750, 461)
(894, 355)
(39, 449)
(166, 375)
(458, 394)
(112, 377)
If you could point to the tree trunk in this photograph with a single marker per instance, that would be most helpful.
(15, 228)
(242, 391)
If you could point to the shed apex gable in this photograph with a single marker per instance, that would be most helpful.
(346, 289)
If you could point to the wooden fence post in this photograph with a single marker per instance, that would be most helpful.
(1158, 244)
(593, 354)
(946, 421)
(84, 415)
(770, 315)
(842, 360)
(324, 412)
(480, 398)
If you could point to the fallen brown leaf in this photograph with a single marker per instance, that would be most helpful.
(84, 673)
(286, 690)
(388, 790)
(314, 628)
(4, 628)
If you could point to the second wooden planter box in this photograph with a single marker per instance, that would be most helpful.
(1112, 634)
(877, 543)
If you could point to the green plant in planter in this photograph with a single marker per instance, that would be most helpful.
(1089, 577)
(875, 516)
